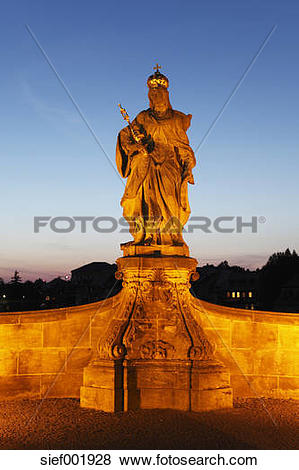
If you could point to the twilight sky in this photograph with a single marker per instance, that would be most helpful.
(104, 51)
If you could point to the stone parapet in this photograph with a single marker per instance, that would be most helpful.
(259, 349)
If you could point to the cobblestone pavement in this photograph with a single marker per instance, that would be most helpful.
(62, 424)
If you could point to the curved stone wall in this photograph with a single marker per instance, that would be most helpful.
(43, 353)
(261, 349)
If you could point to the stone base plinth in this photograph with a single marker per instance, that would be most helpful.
(157, 384)
(179, 385)
(210, 386)
(153, 354)
(143, 384)
(103, 386)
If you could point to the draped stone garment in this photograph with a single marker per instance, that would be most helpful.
(155, 189)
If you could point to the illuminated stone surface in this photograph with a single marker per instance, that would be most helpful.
(279, 377)
(152, 354)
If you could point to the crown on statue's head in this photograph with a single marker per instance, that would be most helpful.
(157, 79)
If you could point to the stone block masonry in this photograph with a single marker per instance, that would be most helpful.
(43, 353)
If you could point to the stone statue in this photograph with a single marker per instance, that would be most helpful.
(153, 351)
(153, 152)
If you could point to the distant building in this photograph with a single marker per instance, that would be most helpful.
(227, 285)
(57, 293)
(94, 281)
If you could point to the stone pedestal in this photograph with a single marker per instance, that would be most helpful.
(153, 353)
(103, 386)
(179, 385)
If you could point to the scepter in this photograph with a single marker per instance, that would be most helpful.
(127, 118)
(146, 139)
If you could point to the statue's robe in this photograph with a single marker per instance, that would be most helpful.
(154, 189)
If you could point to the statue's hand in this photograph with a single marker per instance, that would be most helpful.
(138, 135)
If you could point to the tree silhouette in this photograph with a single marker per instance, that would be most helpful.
(16, 278)
(278, 270)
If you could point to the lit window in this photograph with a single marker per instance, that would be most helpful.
(238, 294)
(228, 294)
(243, 294)
(233, 295)
(250, 294)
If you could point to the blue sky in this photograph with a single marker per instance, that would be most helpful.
(104, 52)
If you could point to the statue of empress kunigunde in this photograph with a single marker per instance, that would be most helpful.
(154, 154)
(153, 351)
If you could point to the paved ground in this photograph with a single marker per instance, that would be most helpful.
(62, 424)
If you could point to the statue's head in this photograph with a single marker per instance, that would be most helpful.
(158, 94)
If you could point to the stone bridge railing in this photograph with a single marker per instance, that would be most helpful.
(43, 353)
(261, 349)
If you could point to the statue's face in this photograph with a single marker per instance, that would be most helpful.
(159, 100)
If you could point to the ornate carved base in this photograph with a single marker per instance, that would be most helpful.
(153, 354)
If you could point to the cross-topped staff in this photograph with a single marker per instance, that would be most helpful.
(141, 137)
(157, 67)
(127, 118)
